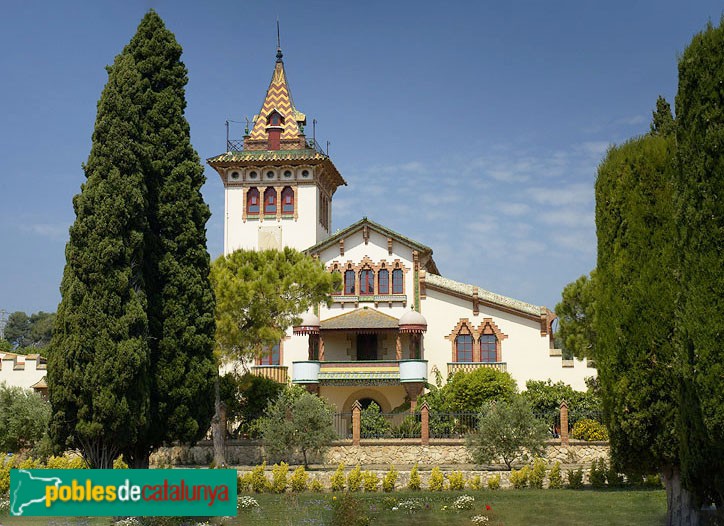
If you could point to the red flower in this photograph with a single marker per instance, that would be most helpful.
(487, 507)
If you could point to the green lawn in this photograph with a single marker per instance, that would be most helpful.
(510, 508)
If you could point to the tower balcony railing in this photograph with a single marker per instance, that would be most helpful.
(234, 145)
(237, 145)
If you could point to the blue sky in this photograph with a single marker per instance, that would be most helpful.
(473, 127)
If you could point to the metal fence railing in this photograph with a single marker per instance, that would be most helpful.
(452, 425)
(390, 425)
(343, 425)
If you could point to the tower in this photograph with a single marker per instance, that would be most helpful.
(278, 184)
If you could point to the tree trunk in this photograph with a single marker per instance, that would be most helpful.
(218, 428)
(137, 457)
(680, 507)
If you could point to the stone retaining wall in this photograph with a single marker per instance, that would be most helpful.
(372, 453)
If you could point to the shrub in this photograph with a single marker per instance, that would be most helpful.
(373, 423)
(279, 477)
(575, 478)
(409, 427)
(354, 479)
(336, 482)
(538, 474)
(119, 463)
(597, 473)
(258, 480)
(298, 481)
(613, 477)
(470, 391)
(456, 480)
(415, 484)
(246, 397)
(348, 511)
(507, 430)
(474, 483)
(437, 480)
(587, 429)
(247, 503)
(297, 421)
(519, 477)
(243, 483)
(370, 480)
(464, 502)
(555, 481)
(316, 486)
(388, 482)
(493, 482)
(6, 464)
(24, 418)
(66, 461)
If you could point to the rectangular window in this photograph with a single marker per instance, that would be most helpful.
(270, 357)
(397, 279)
(488, 348)
(464, 348)
(383, 282)
(349, 282)
(366, 282)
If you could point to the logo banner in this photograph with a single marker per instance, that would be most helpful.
(122, 492)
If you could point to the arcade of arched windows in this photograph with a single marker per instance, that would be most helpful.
(272, 202)
(369, 278)
(476, 344)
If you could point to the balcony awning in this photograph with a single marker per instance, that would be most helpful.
(364, 320)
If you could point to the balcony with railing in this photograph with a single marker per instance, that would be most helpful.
(237, 145)
(352, 372)
(467, 367)
(278, 373)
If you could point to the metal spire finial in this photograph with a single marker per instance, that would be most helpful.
(279, 44)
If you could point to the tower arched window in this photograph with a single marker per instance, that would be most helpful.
(398, 281)
(366, 281)
(349, 282)
(464, 348)
(287, 200)
(252, 202)
(383, 281)
(270, 201)
(488, 348)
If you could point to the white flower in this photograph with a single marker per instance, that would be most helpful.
(480, 519)
(464, 502)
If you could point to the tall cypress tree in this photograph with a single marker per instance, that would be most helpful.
(700, 211)
(170, 261)
(635, 303)
(98, 370)
(181, 303)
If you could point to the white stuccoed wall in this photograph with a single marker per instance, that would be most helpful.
(21, 371)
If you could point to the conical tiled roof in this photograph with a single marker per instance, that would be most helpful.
(279, 98)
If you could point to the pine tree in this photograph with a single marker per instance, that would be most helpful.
(700, 247)
(98, 369)
(141, 132)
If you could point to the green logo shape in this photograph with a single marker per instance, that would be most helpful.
(122, 492)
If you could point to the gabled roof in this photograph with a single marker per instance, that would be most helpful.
(360, 319)
(424, 250)
(485, 296)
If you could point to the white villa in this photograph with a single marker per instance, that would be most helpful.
(396, 320)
